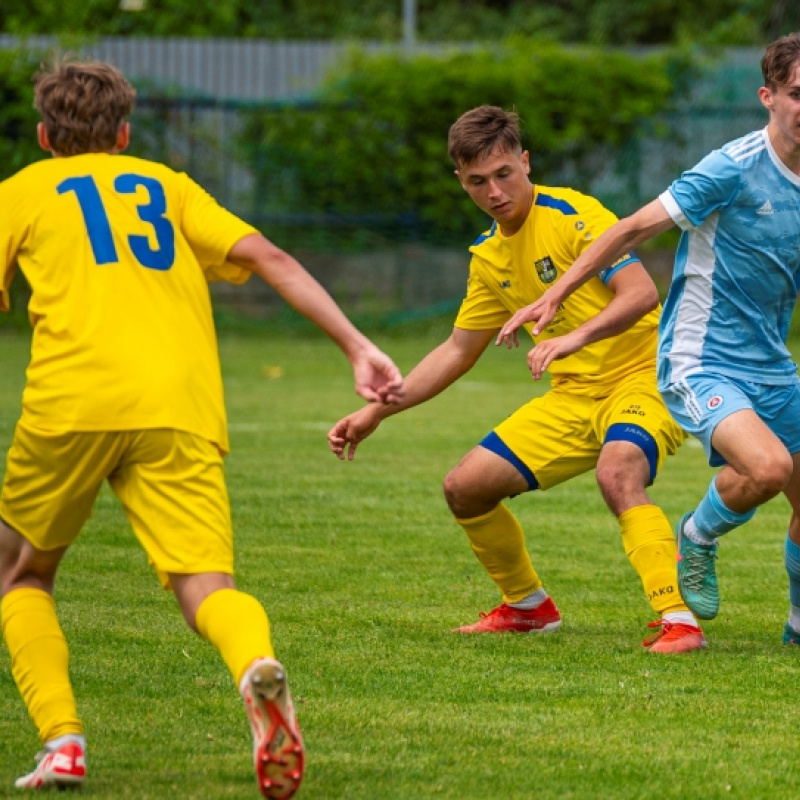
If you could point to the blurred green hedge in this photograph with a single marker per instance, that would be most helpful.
(18, 145)
(18, 118)
(374, 141)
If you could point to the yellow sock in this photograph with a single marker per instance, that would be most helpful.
(499, 543)
(237, 625)
(40, 662)
(650, 546)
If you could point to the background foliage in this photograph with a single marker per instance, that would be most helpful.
(376, 140)
(606, 22)
(18, 118)
(356, 181)
(18, 145)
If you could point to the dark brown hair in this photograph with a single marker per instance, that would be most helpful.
(479, 132)
(82, 104)
(779, 60)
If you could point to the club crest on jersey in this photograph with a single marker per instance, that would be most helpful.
(714, 402)
(546, 270)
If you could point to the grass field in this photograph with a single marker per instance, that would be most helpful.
(364, 573)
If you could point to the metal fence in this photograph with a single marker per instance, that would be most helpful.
(223, 69)
(265, 70)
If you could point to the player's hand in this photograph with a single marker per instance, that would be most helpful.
(541, 312)
(345, 436)
(541, 356)
(377, 377)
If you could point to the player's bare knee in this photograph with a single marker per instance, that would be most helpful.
(770, 478)
(452, 492)
(610, 476)
(620, 496)
(622, 484)
(615, 472)
(461, 498)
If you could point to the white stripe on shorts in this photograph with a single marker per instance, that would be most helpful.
(690, 403)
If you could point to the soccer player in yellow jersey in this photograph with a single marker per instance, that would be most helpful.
(603, 411)
(124, 385)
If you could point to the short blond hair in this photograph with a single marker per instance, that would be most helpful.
(83, 104)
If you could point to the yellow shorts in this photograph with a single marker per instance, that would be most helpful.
(171, 484)
(560, 435)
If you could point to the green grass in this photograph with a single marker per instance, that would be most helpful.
(364, 572)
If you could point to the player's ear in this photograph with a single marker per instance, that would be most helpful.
(123, 137)
(42, 137)
(525, 158)
(765, 96)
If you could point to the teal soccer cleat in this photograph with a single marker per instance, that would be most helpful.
(697, 577)
(790, 635)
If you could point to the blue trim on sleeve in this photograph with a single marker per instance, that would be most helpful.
(488, 235)
(496, 445)
(607, 274)
(548, 201)
(625, 432)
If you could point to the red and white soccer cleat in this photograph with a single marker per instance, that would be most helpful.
(62, 768)
(674, 637)
(505, 619)
(277, 744)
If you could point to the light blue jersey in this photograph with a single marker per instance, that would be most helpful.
(737, 269)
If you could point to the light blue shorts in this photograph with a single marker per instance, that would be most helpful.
(699, 402)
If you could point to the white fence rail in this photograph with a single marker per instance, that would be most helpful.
(224, 69)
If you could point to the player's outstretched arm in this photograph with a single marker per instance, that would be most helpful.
(434, 373)
(647, 222)
(376, 376)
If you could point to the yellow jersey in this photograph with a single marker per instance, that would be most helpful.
(118, 252)
(510, 272)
